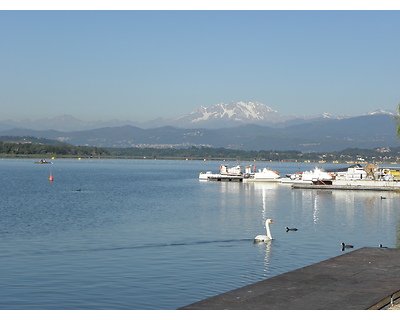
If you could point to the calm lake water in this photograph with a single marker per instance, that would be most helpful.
(147, 234)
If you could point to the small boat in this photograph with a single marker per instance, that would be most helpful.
(263, 175)
(316, 176)
(369, 172)
(354, 172)
(240, 173)
(355, 177)
(225, 174)
(234, 171)
(205, 176)
(44, 161)
(266, 173)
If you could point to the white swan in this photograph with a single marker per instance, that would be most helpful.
(262, 237)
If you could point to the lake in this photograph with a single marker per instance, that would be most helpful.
(148, 235)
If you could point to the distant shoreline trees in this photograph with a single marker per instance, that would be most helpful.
(24, 147)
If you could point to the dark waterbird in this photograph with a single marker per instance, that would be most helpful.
(383, 198)
(346, 246)
(380, 246)
(291, 229)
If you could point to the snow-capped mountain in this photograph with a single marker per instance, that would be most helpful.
(236, 111)
(324, 135)
(222, 115)
(380, 111)
(237, 125)
(229, 114)
(225, 115)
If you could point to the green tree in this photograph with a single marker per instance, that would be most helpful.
(397, 118)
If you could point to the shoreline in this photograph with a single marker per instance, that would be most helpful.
(180, 158)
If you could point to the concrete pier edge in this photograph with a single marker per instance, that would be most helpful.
(362, 279)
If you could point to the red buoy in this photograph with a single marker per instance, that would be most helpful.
(51, 177)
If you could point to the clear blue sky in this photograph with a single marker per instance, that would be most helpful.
(140, 65)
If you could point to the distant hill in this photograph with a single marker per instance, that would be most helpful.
(370, 131)
(63, 123)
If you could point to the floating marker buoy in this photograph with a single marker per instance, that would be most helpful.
(51, 177)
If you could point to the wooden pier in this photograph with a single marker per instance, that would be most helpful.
(367, 278)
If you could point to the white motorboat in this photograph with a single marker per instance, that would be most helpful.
(263, 175)
(318, 174)
(355, 177)
(205, 176)
(234, 171)
(309, 177)
(355, 172)
(266, 173)
(224, 172)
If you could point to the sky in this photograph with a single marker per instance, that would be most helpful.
(140, 65)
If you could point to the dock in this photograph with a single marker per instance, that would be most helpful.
(345, 187)
(362, 279)
(225, 178)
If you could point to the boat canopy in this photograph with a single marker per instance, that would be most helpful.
(344, 169)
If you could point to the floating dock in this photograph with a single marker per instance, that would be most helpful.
(367, 278)
(226, 178)
(346, 187)
(263, 180)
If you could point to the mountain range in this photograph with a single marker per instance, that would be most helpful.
(218, 116)
(236, 125)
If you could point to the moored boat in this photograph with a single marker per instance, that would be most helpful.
(263, 175)
(234, 171)
(345, 178)
(355, 172)
(318, 175)
(356, 177)
(205, 176)
(225, 173)
(44, 161)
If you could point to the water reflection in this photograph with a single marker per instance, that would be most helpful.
(268, 194)
(265, 253)
(365, 217)
(264, 203)
(315, 210)
(324, 218)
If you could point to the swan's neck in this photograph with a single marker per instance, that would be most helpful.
(268, 230)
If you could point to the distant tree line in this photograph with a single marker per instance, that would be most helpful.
(47, 150)
(204, 153)
(24, 147)
(30, 139)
